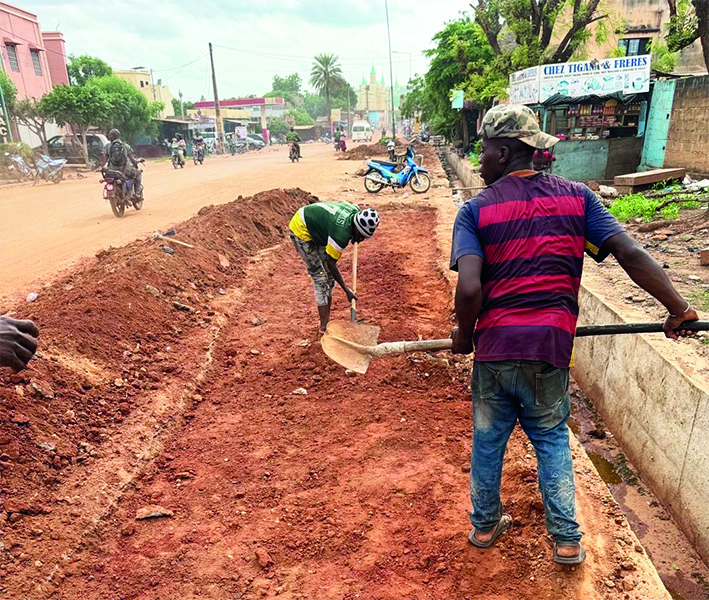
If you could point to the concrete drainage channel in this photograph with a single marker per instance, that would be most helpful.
(631, 413)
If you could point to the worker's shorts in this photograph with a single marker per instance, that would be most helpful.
(314, 257)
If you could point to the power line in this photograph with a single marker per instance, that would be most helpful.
(200, 57)
(297, 58)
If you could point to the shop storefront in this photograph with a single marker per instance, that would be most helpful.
(597, 109)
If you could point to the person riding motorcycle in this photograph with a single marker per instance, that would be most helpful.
(120, 157)
(198, 143)
(179, 144)
(294, 139)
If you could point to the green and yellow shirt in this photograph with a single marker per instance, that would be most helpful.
(328, 224)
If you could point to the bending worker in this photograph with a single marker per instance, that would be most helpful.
(320, 232)
(519, 248)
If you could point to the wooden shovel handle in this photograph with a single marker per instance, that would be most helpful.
(353, 309)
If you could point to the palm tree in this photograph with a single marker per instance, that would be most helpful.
(326, 77)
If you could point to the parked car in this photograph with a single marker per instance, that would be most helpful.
(361, 131)
(69, 147)
(256, 137)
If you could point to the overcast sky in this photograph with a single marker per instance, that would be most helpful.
(265, 37)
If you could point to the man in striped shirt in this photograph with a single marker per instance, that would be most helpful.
(519, 247)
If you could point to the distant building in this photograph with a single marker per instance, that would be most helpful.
(644, 21)
(374, 100)
(141, 79)
(35, 62)
(25, 51)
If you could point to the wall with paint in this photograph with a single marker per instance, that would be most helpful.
(688, 135)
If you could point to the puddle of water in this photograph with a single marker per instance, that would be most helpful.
(606, 469)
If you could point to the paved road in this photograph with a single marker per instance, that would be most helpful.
(46, 229)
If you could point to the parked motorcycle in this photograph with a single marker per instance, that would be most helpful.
(120, 191)
(178, 157)
(198, 154)
(382, 173)
(19, 169)
(293, 153)
(49, 169)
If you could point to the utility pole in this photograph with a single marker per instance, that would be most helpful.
(349, 117)
(391, 73)
(152, 85)
(217, 112)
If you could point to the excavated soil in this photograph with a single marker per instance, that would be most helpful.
(355, 489)
(364, 151)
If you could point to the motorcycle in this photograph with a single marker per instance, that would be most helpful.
(293, 153)
(120, 191)
(198, 154)
(382, 173)
(49, 169)
(178, 157)
(19, 168)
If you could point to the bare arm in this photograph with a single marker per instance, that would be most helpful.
(331, 265)
(644, 271)
(468, 300)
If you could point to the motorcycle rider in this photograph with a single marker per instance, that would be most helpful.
(294, 139)
(199, 143)
(120, 157)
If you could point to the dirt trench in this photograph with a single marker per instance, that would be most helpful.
(356, 489)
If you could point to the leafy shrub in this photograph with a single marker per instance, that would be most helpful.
(634, 206)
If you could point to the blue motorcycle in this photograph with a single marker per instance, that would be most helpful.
(48, 168)
(382, 173)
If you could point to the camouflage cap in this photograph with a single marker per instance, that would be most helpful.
(515, 121)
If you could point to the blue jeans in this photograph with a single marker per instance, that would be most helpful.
(537, 394)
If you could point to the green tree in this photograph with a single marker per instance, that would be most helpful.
(34, 115)
(290, 84)
(533, 23)
(314, 104)
(299, 116)
(326, 77)
(186, 105)
(85, 67)
(461, 59)
(9, 91)
(278, 127)
(78, 106)
(339, 97)
(129, 110)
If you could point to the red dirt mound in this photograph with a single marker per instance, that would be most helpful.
(364, 151)
(114, 330)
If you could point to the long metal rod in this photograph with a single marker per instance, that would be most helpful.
(391, 73)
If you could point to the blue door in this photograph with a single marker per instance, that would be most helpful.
(658, 125)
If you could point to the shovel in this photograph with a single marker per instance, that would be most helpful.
(354, 345)
(353, 309)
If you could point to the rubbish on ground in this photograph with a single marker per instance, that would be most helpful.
(167, 249)
(32, 296)
(704, 257)
(182, 307)
(152, 512)
(256, 321)
(698, 186)
(160, 236)
(300, 392)
(607, 191)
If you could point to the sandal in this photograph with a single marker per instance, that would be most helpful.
(569, 560)
(503, 525)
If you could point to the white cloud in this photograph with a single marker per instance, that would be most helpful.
(273, 36)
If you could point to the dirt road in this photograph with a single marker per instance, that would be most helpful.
(174, 381)
(46, 229)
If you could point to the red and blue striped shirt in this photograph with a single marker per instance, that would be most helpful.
(531, 231)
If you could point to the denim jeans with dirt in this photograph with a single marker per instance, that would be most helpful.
(536, 394)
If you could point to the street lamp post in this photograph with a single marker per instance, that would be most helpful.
(391, 72)
(409, 53)
(182, 106)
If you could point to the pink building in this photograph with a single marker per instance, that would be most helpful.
(25, 53)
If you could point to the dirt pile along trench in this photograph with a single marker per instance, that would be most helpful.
(356, 489)
(121, 342)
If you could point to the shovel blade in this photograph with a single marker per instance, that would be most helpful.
(345, 342)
